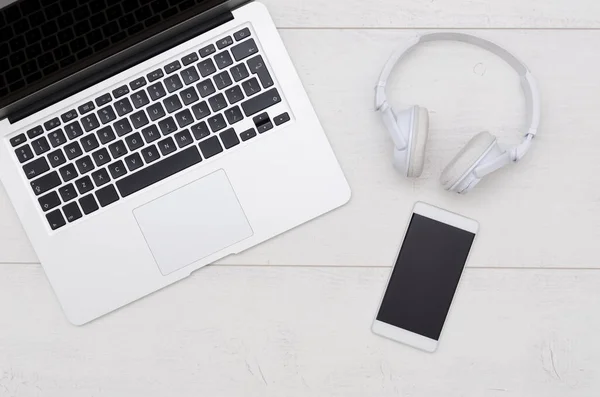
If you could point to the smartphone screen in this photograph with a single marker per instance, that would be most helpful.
(425, 276)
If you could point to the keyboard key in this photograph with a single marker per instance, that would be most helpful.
(258, 67)
(217, 102)
(244, 50)
(134, 141)
(166, 146)
(234, 115)
(189, 75)
(229, 138)
(173, 83)
(261, 119)
(55, 219)
(117, 169)
(101, 177)
(159, 171)
(101, 157)
(73, 150)
(103, 100)
(73, 130)
(206, 67)
(86, 108)
(248, 134)
(57, 138)
(52, 124)
(68, 172)
(265, 127)
(35, 168)
(282, 118)
(123, 107)
(49, 201)
(35, 131)
(24, 153)
(139, 119)
(239, 72)
(183, 138)
(151, 134)
(190, 58)
(72, 212)
(133, 161)
(122, 127)
(156, 111)
(223, 59)
(150, 155)
(201, 110)
(84, 185)
(251, 87)
(137, 83)
(107, 195)
(89, 142)
(172, 103)
(184, 118)
(57, 158)
(117, 149)
(40, 146)
(157, 74)
(90, 122)
(261, 102)
(106, 115)
(189, 96)
(224, 42)
(70, 115)
(242, 34)
(84, 165)
(172, 67)
(106, 134)
(67, 193)
(206, 51)
(210, 147)
(217, 122)
(139, 99)
(167, 126)
(206, 88)
(119, 92)
(156, 91)
(222, 80)
(45, 183)
(200, 131)
(234, 94)
(88, 204)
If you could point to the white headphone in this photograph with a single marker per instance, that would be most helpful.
(482, 155)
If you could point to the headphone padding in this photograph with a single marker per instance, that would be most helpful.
(466, 158)
(418, 144)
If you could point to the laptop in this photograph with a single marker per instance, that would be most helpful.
(142, 140)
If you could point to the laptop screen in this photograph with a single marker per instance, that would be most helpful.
(44, 41)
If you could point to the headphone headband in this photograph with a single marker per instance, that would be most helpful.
(528, 82)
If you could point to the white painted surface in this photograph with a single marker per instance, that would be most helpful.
(276, 331)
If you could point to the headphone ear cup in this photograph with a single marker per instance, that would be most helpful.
(464, 161)
(418, 142)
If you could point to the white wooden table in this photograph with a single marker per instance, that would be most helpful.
(292, 317)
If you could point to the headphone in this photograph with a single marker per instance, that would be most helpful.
(482, 155)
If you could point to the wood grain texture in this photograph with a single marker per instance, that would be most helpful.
(544, 212)
(244, 331)
(436, 13)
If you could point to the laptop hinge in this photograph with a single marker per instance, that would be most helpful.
(120, 61)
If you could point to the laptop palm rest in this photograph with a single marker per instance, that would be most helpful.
(193, 222)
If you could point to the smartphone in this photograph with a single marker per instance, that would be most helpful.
(424, 279)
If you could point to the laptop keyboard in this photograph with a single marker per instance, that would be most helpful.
(150, 128)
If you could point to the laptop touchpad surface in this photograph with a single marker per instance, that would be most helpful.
(193, 222)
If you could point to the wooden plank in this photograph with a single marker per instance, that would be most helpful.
(543, 212)
(233, 331)
(436, 14)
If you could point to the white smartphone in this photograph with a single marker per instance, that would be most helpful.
(425, 277)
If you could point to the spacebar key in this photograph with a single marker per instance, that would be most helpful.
(159, 171)
(261, 102)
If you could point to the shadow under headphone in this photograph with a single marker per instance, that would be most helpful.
(482, 155)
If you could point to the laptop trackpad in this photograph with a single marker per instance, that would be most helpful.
(193, 222)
